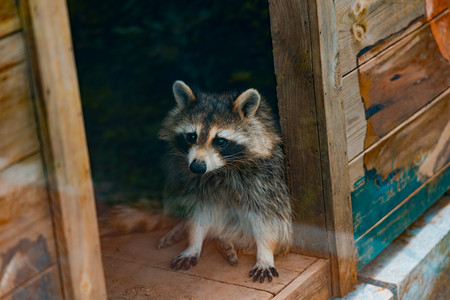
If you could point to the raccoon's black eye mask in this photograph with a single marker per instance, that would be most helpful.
(191, 137)
(219, 142)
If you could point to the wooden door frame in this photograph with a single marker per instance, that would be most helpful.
(308, 74)
(63, 141)
(307, 67)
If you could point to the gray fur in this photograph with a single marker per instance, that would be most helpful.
(244, 203)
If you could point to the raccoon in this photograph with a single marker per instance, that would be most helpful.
(226, 175)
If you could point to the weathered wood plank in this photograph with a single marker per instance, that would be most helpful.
(333, 146)
(12, 51)
(290, 26)
(416, 265)
(46, 285)
(361, 24)
(393, 86)
(9, 18)
(26, 232)
(311, 284)
(64, 144)
(128, 280)
(18, 132)
(385, 231)
(308, 77)
(140, 248)
(389, 172)
(355, 115)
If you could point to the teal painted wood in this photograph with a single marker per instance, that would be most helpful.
(393, 169)
(378, 237)
(374, 197)
(416, 265)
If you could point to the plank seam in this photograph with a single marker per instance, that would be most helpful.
(28, 281)
(398, 41)
(190, 274)
(406, 122)
(20, 159)
(416, 191)
(317, 265)
(9, 34)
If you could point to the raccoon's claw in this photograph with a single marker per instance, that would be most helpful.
(184, 262)
(262, 273)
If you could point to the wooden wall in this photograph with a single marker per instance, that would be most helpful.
(396, 85)
(28, 260)
(49, 245)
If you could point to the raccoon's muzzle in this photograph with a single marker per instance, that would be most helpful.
(197, 166)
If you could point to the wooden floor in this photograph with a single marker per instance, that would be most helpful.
(135, 269)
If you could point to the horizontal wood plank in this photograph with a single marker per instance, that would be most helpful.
(26, 231)
(12, 51)
(393, 86)
(361, 24)
(128, 280)
(141, 248)
(385, 231)
(18, 132)
(314, 283)
(46, 285)
(9, 18)
(390, 171)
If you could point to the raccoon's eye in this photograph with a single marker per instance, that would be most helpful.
(220, 142)
(191, 137)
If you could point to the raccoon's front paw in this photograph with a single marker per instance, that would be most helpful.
(183, 261)
(259, 272)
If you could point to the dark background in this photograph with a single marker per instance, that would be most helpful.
(128, 54)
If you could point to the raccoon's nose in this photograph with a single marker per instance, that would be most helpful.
(198, 167)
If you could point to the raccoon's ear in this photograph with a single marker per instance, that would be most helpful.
(183, 94)
(247, 103)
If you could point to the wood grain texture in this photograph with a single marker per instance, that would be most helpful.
(397, 166)
(290, 26)
(18, 132)
(46, 285)
(64, 145)
(333, 146)
(26, 232)
(401, 80)
(388, 228)
(308, 77)
(12, 51)
(355, 115)
(140, 248)
(416, 265)
(9, 18)
(314, 283)
(129, 280)
(361, 24)
(393, 86)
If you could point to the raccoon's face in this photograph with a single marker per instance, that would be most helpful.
(214, 131)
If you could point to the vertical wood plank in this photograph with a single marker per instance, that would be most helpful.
(333, 145)
(311, 116)
(295, 90)
(64, 144)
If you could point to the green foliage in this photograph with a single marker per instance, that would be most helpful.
(129, 52)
